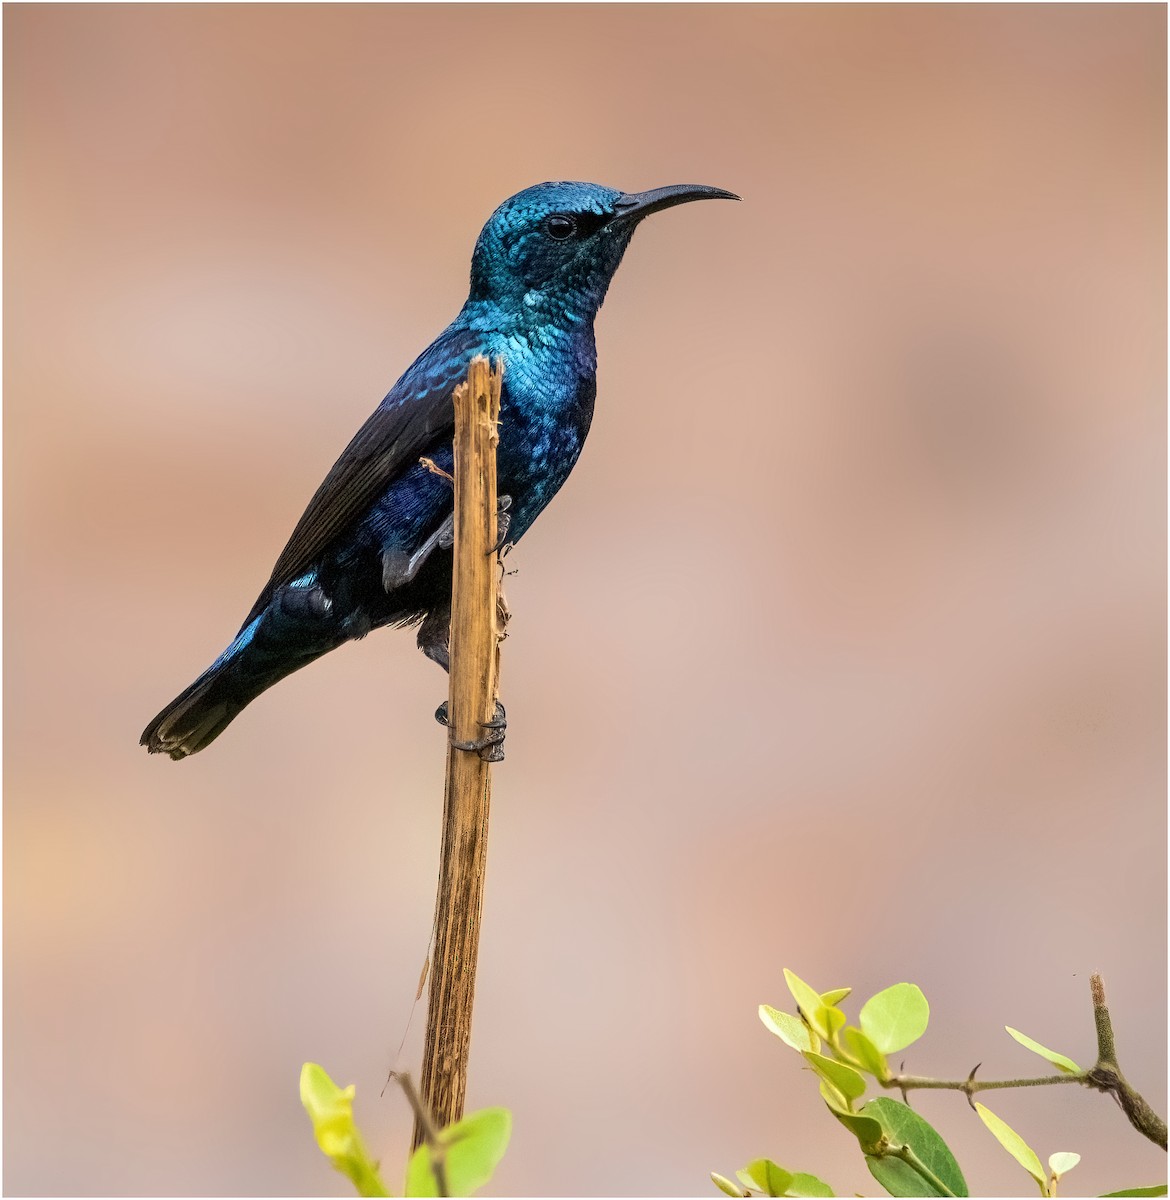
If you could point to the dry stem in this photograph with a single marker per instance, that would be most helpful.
(475, 636)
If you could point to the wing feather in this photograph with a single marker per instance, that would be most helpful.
(415, 414)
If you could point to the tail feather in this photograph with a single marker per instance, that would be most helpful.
(297, 627)
(197, 716)
(249, 666)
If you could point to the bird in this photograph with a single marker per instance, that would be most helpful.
(373, 547)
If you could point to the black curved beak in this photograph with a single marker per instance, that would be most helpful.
(633, 206)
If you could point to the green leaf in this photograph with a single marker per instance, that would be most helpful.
(833, 1098)
(830, 999)
(1014, 1145)
(1062, 1162)
(895, 1017)
(1057, 1060)
(1157, 1189)
(808, 1185)
(867, 1130)
(902, 1126)
(834, 1023)
(726, 1186)
(330, 1108)
(809, 1001)
(789, 1029)
(764, 1175)
(472, 1148)
(844, 1078)
(866, 1053)
(899, 1178)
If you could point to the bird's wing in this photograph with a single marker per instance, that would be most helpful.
(412, 417)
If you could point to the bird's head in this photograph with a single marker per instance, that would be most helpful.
(552, 249)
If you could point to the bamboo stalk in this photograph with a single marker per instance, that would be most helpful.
(477, 617)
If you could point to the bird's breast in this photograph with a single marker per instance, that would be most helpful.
(543, 425)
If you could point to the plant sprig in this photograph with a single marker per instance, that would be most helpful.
(903, 1152)
(455, 1161)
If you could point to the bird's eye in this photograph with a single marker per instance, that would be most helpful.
(560, 227)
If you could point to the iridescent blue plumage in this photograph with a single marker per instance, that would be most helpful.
(373, 547)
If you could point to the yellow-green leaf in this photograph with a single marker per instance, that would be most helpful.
(895, 1017)
(789, 1029)
(330, 1108)
(809, 1001)
(1057, 1060)
(726, 1186)
(866, 1130)
(829, 999)
(833, 1098)
(470, 1149)
(865, 1052)
(1014, 1145)
(765, 1176)
(834, 1023)
(804, 1184)
(843, 1077)
(1156, 1189)
(1062, 1162)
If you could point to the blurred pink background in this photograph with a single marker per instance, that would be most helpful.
(859, 587)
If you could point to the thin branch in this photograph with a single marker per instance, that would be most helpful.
(1106, 1050)
(1105, 1076)
(430, 1135)
(971, 1086)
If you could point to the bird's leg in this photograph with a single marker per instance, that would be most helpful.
(434, 640)
(399, 568)
(434, 635)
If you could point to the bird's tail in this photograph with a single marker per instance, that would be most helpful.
(197, 716)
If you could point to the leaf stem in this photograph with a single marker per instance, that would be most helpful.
(907, 1155)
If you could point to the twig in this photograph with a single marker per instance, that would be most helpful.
(1106, 1050)
(971, 1086)
(424, 1121)
(475, 637)
(1105, 1076)
(435, 469)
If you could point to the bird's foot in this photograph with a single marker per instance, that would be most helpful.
(503, 523)
(445, 538)
(490, 747)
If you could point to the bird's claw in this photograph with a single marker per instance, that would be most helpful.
(490, 747)
(503, 523)
(445, 538)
